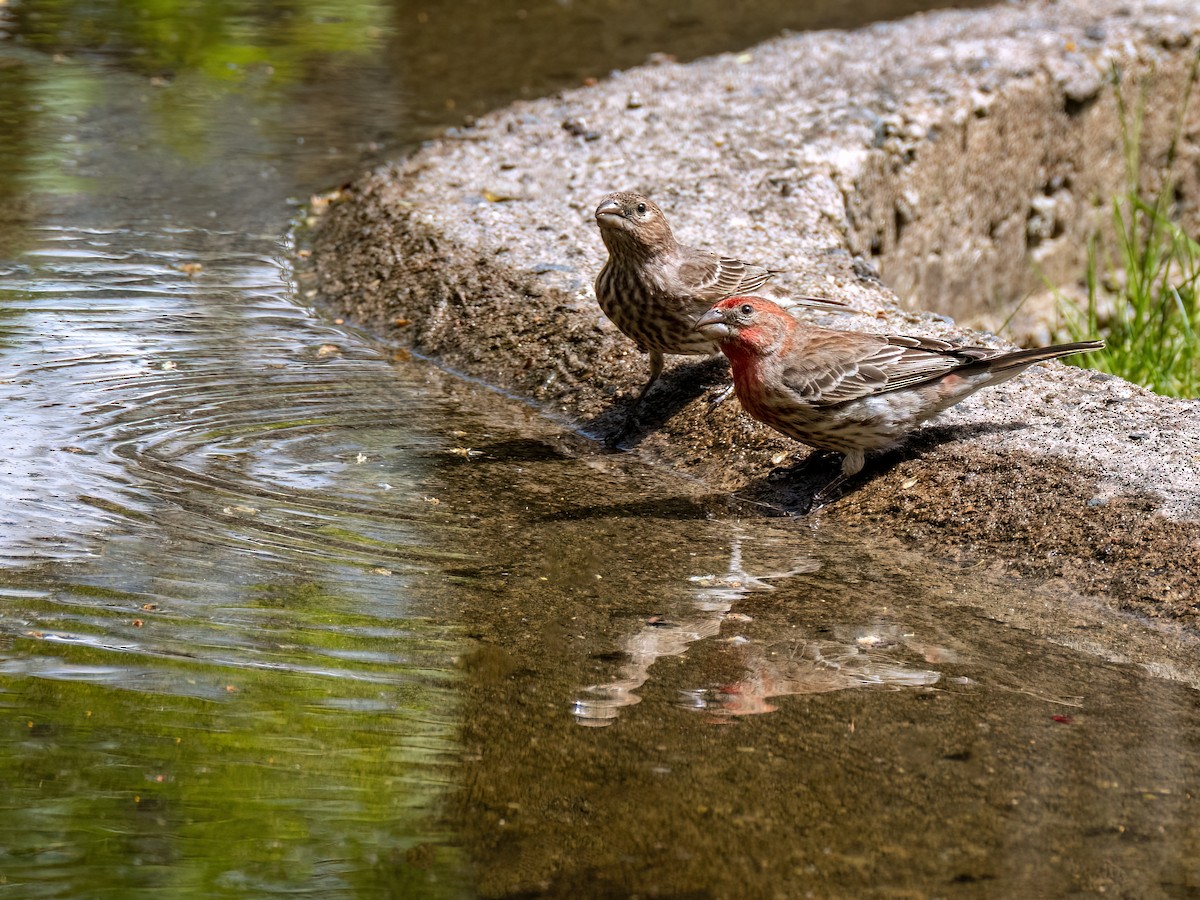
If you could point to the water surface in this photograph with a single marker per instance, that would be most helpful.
(285, 611)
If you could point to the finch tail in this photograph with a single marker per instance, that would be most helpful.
(987, 371)
(1038, 354)
(999, 369)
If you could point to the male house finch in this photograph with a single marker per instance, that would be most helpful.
(653, 288)
(850, 392)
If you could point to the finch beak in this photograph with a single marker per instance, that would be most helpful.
(609, 208)
(712, 325)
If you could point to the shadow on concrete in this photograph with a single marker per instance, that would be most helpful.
(791, 489)
(622, 427)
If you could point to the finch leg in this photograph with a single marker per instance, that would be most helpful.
(825, 494)
(851, 466)
(721, 397)
(656, 369)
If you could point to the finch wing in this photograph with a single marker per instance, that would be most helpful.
(710, 278)
(864, 365)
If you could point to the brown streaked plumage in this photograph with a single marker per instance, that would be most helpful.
(653, 288)
(849, 392)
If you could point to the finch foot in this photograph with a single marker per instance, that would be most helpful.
(721, 397)
(828, 493)
(629, 427)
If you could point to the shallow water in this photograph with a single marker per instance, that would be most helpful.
(286, 611)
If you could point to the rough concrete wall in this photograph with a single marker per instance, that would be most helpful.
(480, 251)
(970, 204)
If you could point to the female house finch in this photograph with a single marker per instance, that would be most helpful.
(850, 392)
(653, 288)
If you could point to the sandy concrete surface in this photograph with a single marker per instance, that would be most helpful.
(938, 163)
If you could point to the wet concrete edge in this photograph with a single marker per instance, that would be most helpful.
(479, 252)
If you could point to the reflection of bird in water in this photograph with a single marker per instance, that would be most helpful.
(604, 702)
(854, 657)
(822, 666)
(714, 598)
(814, 667)
(737, 581)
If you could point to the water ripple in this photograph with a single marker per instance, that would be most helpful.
(248, 474)
(211, 397)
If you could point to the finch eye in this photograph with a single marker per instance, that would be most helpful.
(747, 309)
(641, 207)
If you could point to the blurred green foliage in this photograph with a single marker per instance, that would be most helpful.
(212, 73)
(223, 39)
